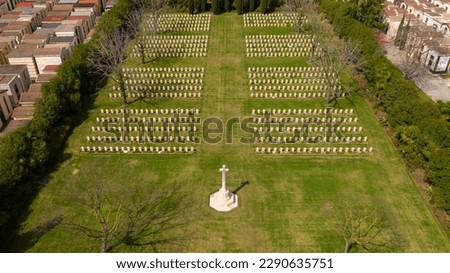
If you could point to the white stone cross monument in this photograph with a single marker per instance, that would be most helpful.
(224, 171)
(223, 199)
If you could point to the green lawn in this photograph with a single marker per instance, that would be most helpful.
(283, 209)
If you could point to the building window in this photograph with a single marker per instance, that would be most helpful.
(16, 89)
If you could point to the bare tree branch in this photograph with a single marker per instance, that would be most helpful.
(108, 57)
(361, 226)
(334, 60)
(301, 8)
(140, 219)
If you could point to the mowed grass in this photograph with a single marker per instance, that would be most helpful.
(284, 206)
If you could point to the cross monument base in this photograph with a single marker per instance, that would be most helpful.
(223, 200)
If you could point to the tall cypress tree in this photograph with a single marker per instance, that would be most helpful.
(252, 5)
(227, 5)
(264, 6)
(215, 6)
(404, 37)
(203, 5)
(238, 6)
(399, 31)
(191, 6)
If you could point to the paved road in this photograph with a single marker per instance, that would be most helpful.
(433, 85)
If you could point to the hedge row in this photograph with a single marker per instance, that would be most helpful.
(421, 132)
(25, 154)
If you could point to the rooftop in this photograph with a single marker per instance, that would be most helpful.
(29, 97)
(34, 87)
(14, 125)
(47, 52)
(23, 113)
(42, 78)
(10, 69)
(5, 79)
(22, 50)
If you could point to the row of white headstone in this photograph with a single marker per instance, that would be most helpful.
(284, 68)
(287, 81)
(174, 88)
(270, 19)
(149, 119)
(174, 95)
(303, 111)
(279, 49)
(163, 75)
(163, 47)
(278, 54)
(139, 149)
(163, 69)
(286, 75)
(282, 88)
(144, 128)
(277, 37)
(180, 22)
(176, 39)
(165, 81)
(288, 95)
(316, 139)
(163, 111)
(341, 120)
(169, 55)
(316, 129)
(142, 139)
(314, 150)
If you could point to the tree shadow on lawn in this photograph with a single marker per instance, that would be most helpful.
(28, 239)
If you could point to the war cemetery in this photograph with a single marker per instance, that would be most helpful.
(233, 138)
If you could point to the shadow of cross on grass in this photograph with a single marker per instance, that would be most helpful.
(243, 184)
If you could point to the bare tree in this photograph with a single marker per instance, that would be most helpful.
(142, 219)
(315, 25)
(155, 7)
(361, 226)
(133, 23)
(301, 8)
(108, 57)
(418, 39)
(334, 59)
(410, 66)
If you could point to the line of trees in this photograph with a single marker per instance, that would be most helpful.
(422, 132)
(220, 6)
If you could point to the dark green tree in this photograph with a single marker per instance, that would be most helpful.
(203, 5)
(252, 5)
(227, 5)
(191, 8)
(238, 5)
(404, 37)
(439, 173)
(398, 35)
(264, 6)
(368, 12)
(215, 6)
